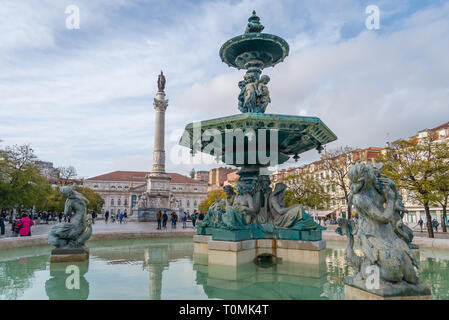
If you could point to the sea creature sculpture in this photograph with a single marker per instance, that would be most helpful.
(379, 232)
(75, 233)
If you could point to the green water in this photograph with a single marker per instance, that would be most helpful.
(166, 269)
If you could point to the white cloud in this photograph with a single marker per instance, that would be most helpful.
(86, 98)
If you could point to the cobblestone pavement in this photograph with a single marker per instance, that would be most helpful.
(99, 226)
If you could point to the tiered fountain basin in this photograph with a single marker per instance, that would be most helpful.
(295, 135)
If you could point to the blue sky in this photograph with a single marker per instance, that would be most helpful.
(84, 97)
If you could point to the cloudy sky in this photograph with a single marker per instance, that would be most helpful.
(83, 97)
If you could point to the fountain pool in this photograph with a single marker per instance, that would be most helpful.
(165, 269)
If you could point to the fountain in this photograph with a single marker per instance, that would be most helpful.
(255, 221)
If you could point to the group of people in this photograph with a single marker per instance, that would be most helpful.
(162, 218)
(122, 217)
(20, 225)
(435, 224)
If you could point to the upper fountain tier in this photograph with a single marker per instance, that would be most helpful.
(254, 50)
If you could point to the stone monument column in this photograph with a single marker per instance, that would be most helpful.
(160, 105)
(158, 181)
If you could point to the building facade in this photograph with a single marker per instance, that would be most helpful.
(337, 207)
(122, 190)
(217, 178)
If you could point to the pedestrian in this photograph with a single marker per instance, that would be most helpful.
(94, 215)
(60, 217)
(125, 217)
(194, 216)
(24, 226)
(435, 224)
(120, 216)
(14, 231)
(174, 218)
(420, 223)
(184, 220)
(164, 219)
(159, 219)
(106, 216)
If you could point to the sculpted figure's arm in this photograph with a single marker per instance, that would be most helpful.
(246, 206)
(378, 215)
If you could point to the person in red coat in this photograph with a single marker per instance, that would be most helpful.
(25, 226)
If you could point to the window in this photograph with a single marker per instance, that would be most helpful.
(174, 188)
(95, 186)
(126, 187)
(195, 189)
(126, 202)
(112, 202)
(119, 187)
(195, 204)
(188, 203)
(112, 187)
(119, 202)
(180, 203)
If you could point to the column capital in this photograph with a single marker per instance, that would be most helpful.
(160, 104)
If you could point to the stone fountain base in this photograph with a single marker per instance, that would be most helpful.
(353, 293)
(355, 289)
(235, 253)
(69, 255)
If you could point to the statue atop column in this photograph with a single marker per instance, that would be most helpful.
(161, 82)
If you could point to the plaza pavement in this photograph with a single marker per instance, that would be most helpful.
(135, 230)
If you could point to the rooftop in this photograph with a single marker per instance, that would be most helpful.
(139, 176)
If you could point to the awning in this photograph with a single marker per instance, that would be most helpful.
(321, 213)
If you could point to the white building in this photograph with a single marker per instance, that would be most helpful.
(121, 190)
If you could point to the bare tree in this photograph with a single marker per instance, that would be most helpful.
(67, 173)
(337, 163)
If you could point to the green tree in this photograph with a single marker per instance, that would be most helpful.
(21, 183)
(441, 179)
(413, 166)
(304, 189)
(212, 196)
(96, 202)
(55, 201)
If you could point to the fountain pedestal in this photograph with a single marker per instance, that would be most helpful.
(235, 253)
(353, 293)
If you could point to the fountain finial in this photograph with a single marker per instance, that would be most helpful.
(254, 24)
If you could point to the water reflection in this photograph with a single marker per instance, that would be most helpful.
(285, 281)
(67, 283)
